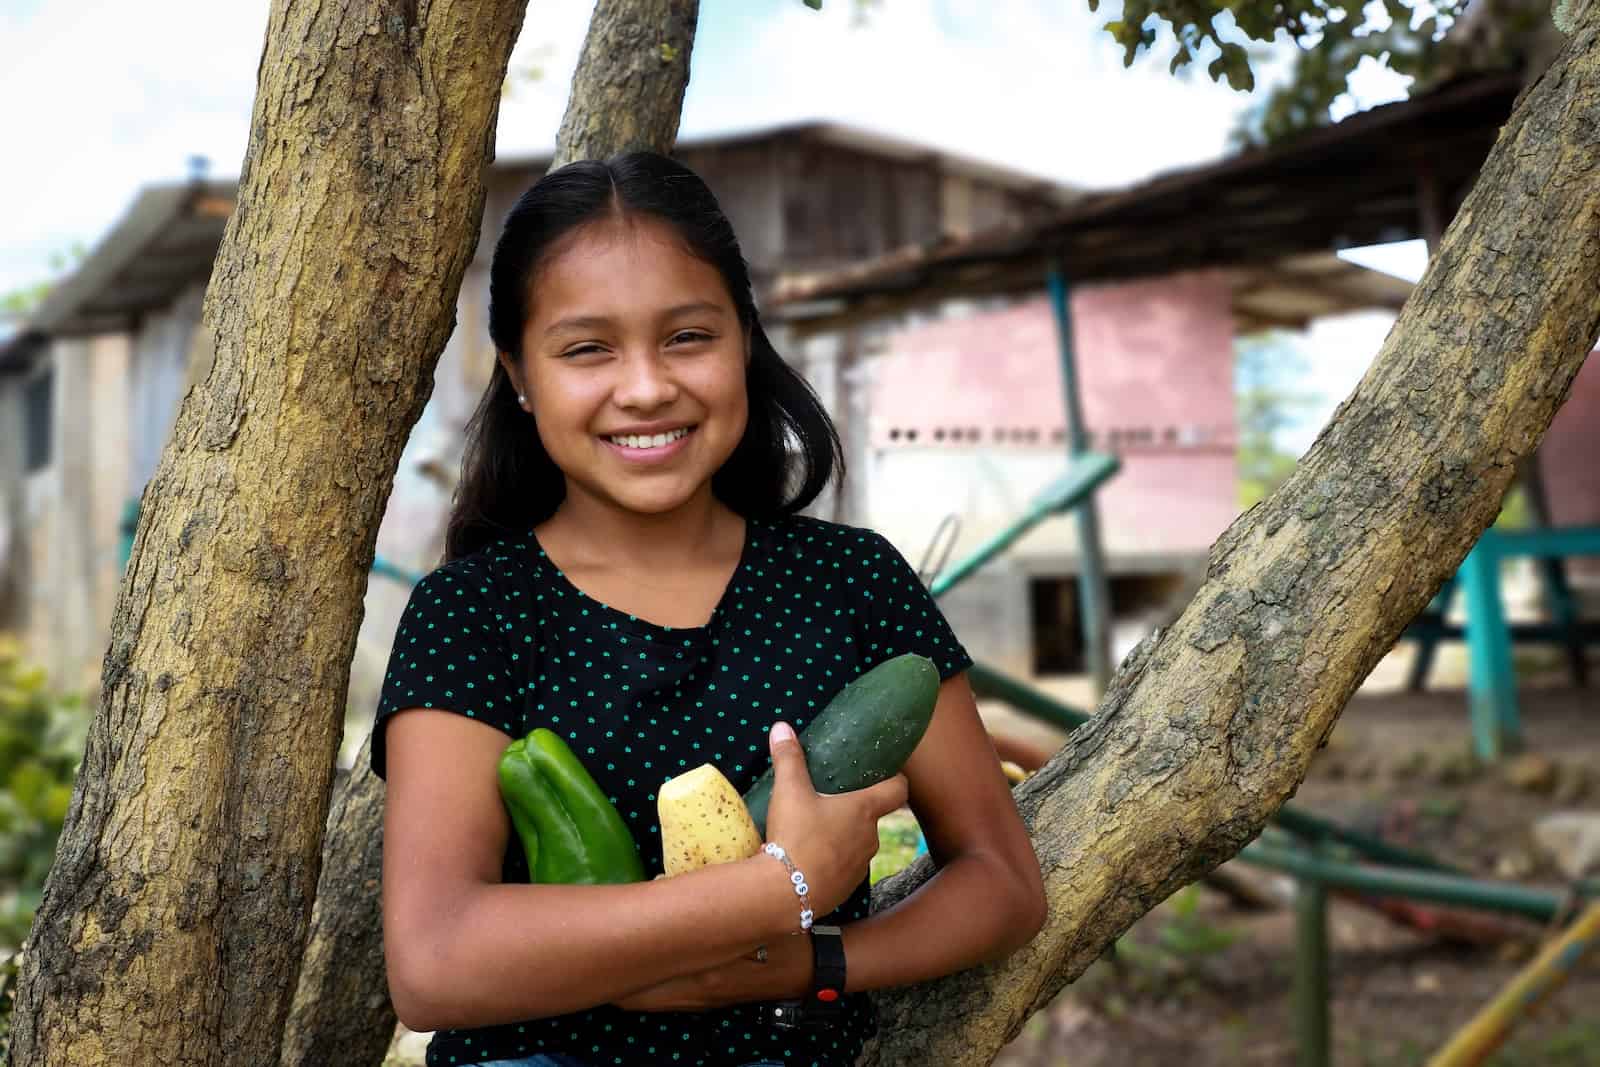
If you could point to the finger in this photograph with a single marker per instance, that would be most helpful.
(888, 795)
(788, 758)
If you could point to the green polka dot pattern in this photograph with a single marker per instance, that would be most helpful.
(502, 636)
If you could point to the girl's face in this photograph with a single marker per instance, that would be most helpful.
(633, 363)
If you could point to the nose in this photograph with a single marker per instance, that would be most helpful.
(645, 382)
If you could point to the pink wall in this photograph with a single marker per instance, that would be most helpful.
(1567, 457)
(1153, 356)
(1155, 363)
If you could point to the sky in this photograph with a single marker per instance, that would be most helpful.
(104, 97)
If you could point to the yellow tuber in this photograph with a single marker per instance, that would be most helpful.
(703, 821)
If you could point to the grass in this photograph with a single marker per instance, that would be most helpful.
(897, 844)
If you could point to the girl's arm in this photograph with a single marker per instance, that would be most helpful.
(464, 950)
(987, 898)
(985, 901)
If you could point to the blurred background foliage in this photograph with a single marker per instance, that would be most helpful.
(1432, 43)
(42, 734)
(1270, 398)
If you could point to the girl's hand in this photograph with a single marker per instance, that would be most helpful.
(831, 839)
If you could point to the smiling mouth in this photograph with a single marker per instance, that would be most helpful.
(647, 441)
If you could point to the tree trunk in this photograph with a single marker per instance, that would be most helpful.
(625, 94)
(1210, 725)
(172, 924)
(341, 1015)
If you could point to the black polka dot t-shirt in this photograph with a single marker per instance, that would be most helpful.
(503, 636)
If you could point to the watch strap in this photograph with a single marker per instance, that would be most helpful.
(827, 972)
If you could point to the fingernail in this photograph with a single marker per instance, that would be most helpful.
(782, 731)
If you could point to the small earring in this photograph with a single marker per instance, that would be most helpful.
(522, 399)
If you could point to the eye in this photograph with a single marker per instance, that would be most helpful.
(585, 349)
(689, 337)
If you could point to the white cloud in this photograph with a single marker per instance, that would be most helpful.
(551, 39)
(1034, 84)
(1403, 259)
(1338, 350)
(103, 97)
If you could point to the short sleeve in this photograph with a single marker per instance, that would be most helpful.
(449, 654)
(901, 615)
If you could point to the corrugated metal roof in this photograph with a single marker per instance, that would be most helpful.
(165, 241)
(1358, 182)
(860, 138)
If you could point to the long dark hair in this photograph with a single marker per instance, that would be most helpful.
(509, 483)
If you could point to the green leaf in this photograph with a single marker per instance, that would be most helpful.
(29, 784)
(815, 5)
(53, 806)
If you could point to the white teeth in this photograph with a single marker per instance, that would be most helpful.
(660, 440)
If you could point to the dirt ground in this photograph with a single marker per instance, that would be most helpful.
(1200, 982)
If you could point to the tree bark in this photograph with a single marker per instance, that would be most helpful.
(172, 924)
(625, 94)
(341, 1015)
(1210, 725)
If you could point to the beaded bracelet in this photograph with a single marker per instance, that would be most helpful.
(798, 880)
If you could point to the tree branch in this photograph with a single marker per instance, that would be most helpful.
(627, 92)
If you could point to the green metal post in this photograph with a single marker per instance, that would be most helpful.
(1094, 591)
(1492, 680)
(1540, 905)
(1438, 610)
(1311, 972)
(988, 682)
(1313, 828)
(382, 568)
(1084, 476)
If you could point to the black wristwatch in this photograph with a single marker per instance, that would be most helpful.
(825, 1000)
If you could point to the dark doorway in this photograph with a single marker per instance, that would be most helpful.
(1058, 628)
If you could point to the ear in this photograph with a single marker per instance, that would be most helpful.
(509, 364)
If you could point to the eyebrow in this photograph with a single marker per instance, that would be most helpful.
(592, 322)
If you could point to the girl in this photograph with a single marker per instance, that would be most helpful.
(626, 565)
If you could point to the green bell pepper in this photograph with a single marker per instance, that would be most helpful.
(570, 831)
